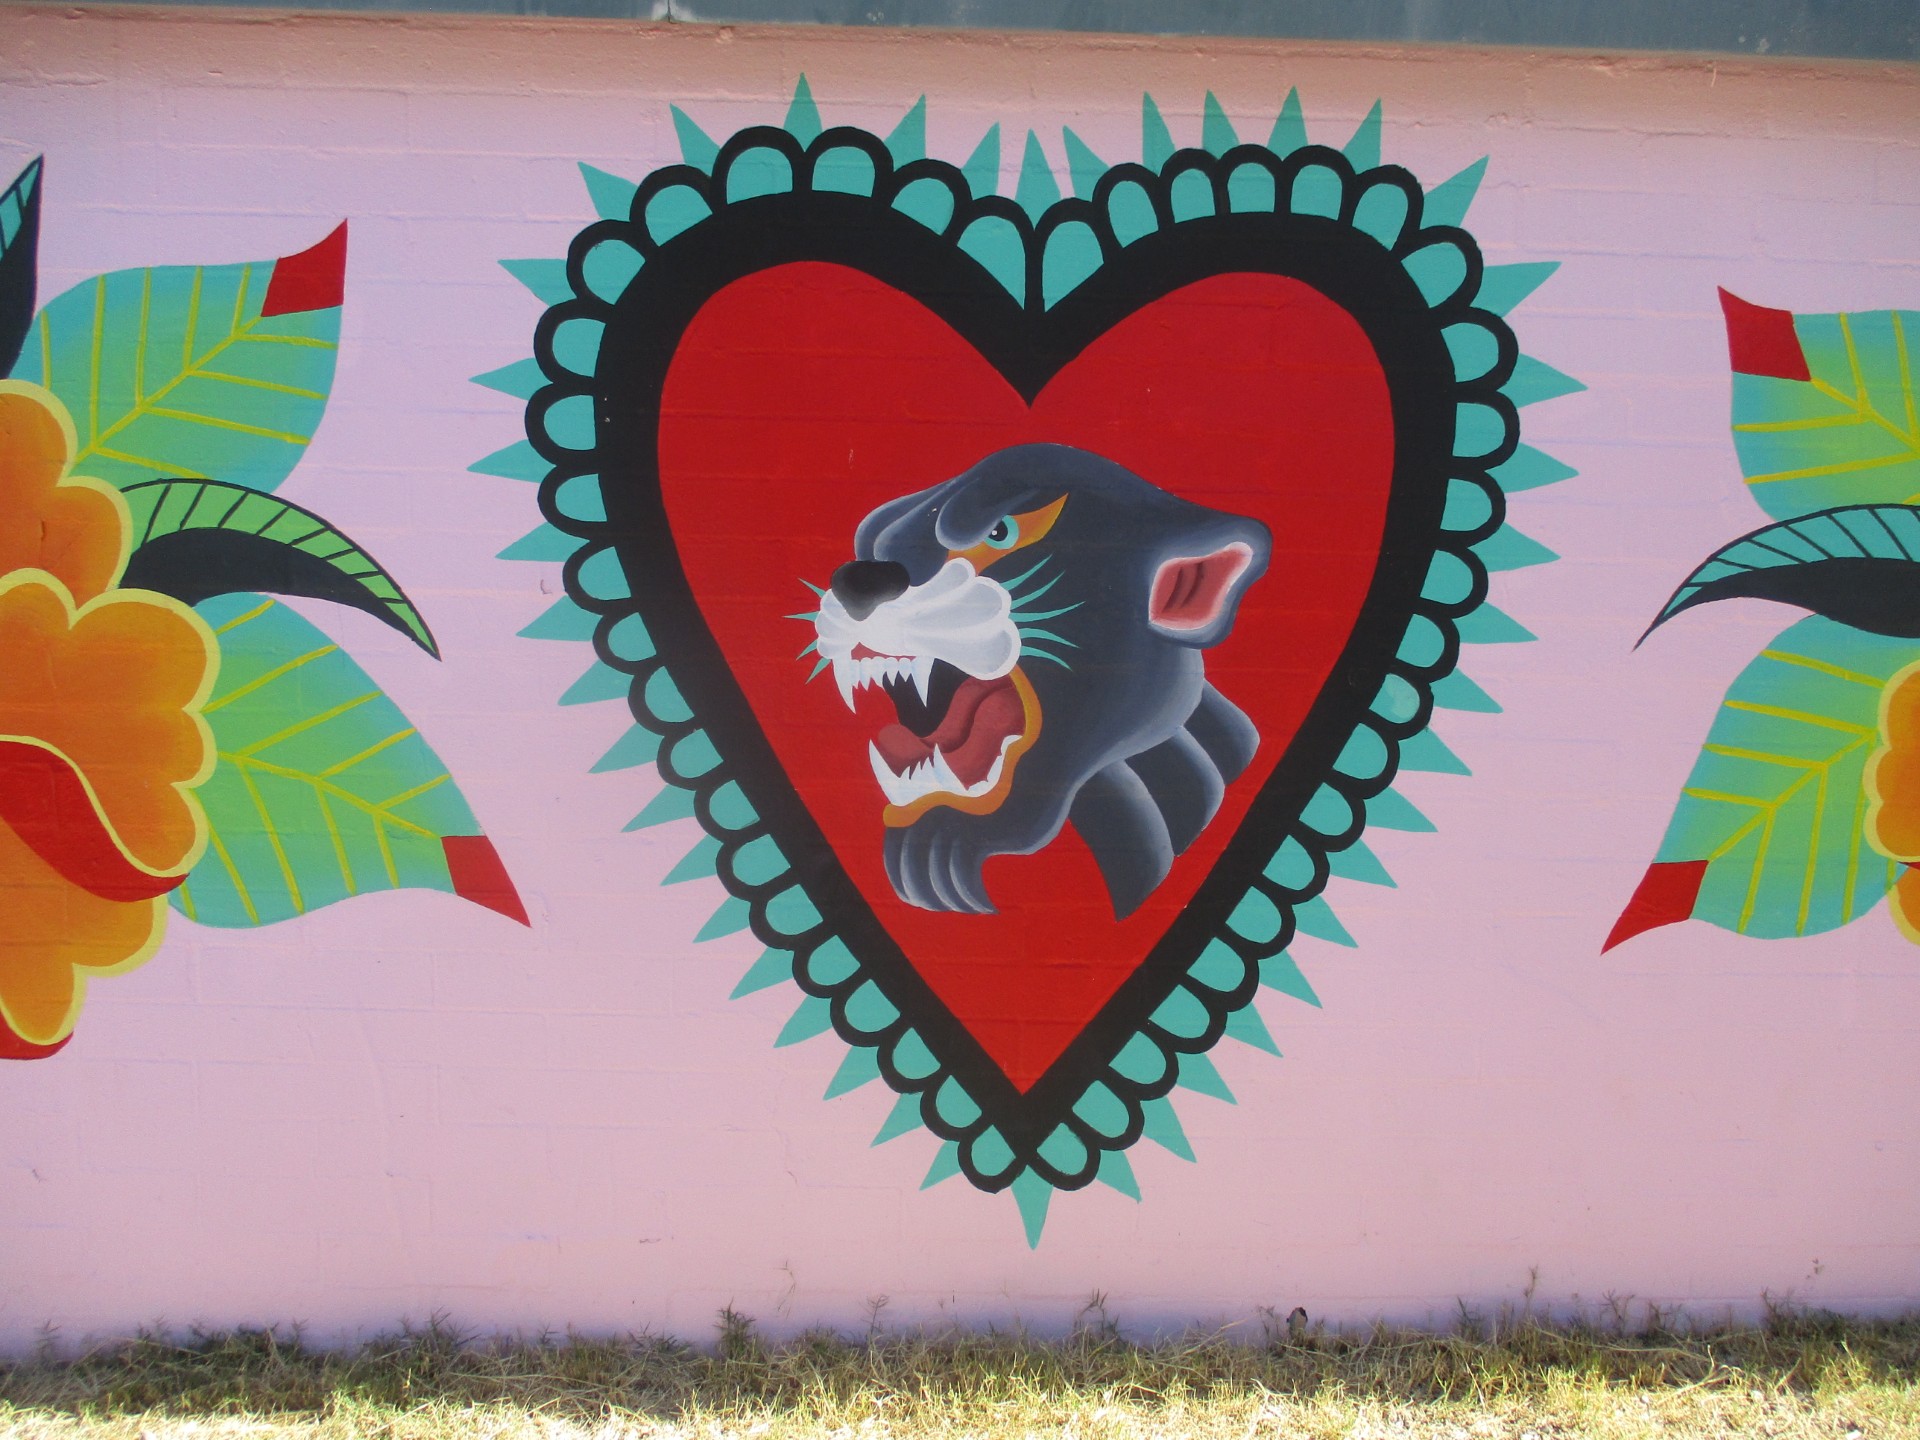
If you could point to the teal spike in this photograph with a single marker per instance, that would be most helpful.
(904, 1117)
(672, 803)
(543, 543)
(1083, 165)
(822, 663)
(1162, 1127)
(1290, 130)
(1508, 549)
(861, 1067)
(1491, 626)
(1032, 1194)
(814, 1017)
(518, 461)
(697, 147)
(1534, 380)
(612, 197)
(1247, 1026)
(946, 1165)
(1199, 1073)
(547, 279)
(519, 379)
(697, 864)
(774, 967)
(803, 116)
(1426, 751)
(907, 141)
(1316, 918)
(601, 682)
(1363, 150)
(1357, 862)
(730, 919)
(1037, 188)
(1504, 286)
(1457, 691)
(1156, 141)
(1216, 130)
(1529, 469)
(982, 170)
(638, 746)
(1393, 811)
(1447, 203)
(1116, 1171)
(562, 620)
(1278, 972)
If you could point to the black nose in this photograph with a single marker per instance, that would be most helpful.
(861, 586)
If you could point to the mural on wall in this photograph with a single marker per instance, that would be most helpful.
(170, 734)
(1803, 809)
(1031, 597)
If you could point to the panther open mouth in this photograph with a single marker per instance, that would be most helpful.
(955, 739)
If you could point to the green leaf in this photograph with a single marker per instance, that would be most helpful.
(1775, 804)
(1847, 435)
(1858, 564)
(322, 788)
(19, 244)
(194, 539)
(194, 370)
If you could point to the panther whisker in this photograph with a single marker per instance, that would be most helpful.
(1020, 616)
(812, 645)
(1025, 575)
(809, 617)
(1029, 599)
(821, 665)
(1034, 632)
(1040, 654)
(818, 593)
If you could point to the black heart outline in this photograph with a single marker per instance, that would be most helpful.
(922, 1050)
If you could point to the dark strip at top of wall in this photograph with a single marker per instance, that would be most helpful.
(1853, 29)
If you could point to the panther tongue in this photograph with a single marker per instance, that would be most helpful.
(970, 735)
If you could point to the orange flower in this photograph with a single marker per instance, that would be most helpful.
(101, 737)
(1893, 793)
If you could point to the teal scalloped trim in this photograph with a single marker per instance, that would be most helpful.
(982, 168)
(547, 279)
(803, 116)
(1363, 150)
(903, 1119)
(612, 197)
(774, 967)
(518, 461)
(697, 148)
(1216, 130)
(1289, 128)
(672, 803)
(907, 141)
(1037, 189)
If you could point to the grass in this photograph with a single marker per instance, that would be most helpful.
(1513, 1376)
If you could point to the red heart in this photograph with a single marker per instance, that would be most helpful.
(804, 395)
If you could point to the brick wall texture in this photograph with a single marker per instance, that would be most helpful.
(407, 1105)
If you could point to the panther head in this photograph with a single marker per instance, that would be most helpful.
(1038, 623)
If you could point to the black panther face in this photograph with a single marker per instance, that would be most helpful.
(1038, 623)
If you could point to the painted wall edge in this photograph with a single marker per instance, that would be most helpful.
(1855, 29)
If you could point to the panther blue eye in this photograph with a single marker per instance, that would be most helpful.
(1005, 532)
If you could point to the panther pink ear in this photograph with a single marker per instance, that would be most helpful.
(1192, 592)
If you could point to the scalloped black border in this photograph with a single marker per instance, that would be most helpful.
(1028, 344)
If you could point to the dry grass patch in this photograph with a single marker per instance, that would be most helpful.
(1797, 1375)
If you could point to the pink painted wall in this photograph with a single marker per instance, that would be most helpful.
(406, 1105)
